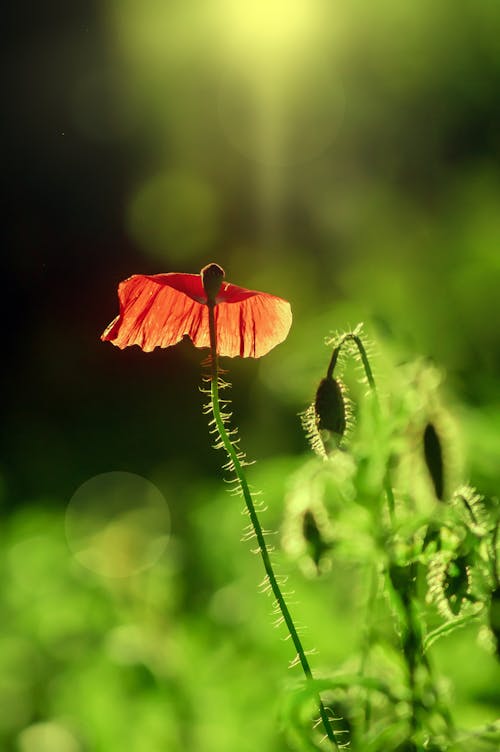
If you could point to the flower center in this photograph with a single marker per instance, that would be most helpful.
(211, 277)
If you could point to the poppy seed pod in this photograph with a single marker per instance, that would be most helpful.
(433, 454)
(330, 406)
(211, 277)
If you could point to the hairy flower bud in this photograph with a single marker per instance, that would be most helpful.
(330, 407)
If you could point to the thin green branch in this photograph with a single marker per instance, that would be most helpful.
(363, 354)
(367, 637)
(264, 552)
(353, 337)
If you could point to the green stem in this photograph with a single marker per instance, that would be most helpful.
(264, 552)
(367, 637)
(494, 556)
(371, 383)
(364, 358)
(389, 494)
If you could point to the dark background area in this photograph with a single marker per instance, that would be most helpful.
(420, 123)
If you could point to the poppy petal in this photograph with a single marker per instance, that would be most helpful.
(157, 311)
(253, 325)
(233, 294)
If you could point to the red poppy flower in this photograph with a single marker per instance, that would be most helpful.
(158, 310)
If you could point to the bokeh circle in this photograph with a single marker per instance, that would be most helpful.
(117, 524)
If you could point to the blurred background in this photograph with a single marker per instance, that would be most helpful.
(344, 156)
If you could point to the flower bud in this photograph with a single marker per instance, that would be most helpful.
(330, 407)
(211, 277)
(433, 454)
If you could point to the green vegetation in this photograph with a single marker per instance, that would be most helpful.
(396, 583)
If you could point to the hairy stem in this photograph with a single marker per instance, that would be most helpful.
(263, 549)
(353, 337)
(362, 351)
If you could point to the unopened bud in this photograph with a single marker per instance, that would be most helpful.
(211, 277)
(433, 454)
(330, 407)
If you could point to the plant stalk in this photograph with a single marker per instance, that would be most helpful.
(371, 383)
(263, 550)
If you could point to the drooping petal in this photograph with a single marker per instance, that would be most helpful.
(158, 310)
(253, 325)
